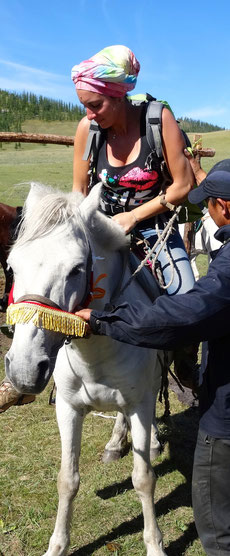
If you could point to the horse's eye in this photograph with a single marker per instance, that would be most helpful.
(75, 270)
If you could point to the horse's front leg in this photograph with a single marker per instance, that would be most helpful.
(117, 444)
(70, 426)
(143, 476)
(155, 446)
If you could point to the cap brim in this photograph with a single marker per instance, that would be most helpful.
(198, 194)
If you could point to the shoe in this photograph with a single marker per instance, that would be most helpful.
(9, 396)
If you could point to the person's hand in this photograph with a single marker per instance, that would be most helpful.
(194, 160)
(85, 315)
(127, 220)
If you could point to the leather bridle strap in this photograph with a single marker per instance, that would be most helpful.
(38, 299)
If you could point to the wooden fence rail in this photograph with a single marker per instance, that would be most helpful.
(66, 140)
(35, 138)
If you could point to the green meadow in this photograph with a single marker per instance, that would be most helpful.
(107, 514)
(52, 164)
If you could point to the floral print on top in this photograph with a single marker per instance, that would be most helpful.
(129, 190)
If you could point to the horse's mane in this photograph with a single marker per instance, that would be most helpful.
(46, 208)
(50, 209)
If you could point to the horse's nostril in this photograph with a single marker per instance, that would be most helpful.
(43, 366)
(43, 374)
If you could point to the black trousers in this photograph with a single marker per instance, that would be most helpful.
(211, 493)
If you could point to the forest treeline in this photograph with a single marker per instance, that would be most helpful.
(16, 108)
(196, 126)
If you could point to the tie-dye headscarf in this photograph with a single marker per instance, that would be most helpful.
(113, 72)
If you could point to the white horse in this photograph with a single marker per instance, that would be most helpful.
(61, 235)
(203, 241)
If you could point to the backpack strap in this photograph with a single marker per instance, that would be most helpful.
(154, 126)
(93, 140)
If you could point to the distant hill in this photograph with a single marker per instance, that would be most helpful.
(196, 126)
(16, 108)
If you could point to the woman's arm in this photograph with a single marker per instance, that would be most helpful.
(179, 168)
(81, 167)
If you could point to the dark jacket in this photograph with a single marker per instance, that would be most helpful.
(201, 314)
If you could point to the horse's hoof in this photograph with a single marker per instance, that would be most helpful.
(110, 455)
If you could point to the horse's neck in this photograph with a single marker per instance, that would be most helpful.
(111, 273)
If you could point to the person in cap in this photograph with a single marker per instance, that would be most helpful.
(201, 314)
(130, 171)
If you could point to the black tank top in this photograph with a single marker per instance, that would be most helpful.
(126, 187)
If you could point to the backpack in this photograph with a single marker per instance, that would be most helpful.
(189, 212)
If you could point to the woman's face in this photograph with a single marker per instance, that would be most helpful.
(100, 108)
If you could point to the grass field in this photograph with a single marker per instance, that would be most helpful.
(107, 514)
(52, 164)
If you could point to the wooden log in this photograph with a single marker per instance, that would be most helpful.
(36, 138)
(64, 140)
(203, 152)
(198, 149)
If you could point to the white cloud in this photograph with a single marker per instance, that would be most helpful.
(27, 69)
(18, 77)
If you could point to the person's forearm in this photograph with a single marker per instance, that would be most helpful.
(168, 323)
(174, 196)
(199, 173)
(200, 176)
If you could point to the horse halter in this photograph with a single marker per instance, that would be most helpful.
(46, 314)
(38, 299)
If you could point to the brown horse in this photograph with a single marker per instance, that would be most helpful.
(10, 218)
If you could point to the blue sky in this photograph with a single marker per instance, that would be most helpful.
(183, 48)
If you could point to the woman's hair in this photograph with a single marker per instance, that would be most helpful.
(112, 72)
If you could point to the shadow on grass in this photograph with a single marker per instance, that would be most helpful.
(181, 436)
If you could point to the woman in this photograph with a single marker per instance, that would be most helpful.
(131, 175)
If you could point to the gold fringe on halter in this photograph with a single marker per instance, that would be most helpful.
(48, 318)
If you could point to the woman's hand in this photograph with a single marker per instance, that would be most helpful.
(127, 220)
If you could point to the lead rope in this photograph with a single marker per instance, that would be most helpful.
(164, 246)
(162, 239)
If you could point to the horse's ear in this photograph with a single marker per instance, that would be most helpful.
(36, 192)
(91, 203)
(103, 229)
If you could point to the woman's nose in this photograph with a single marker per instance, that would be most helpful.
(90, 114)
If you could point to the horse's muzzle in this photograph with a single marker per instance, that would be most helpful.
(30, 381)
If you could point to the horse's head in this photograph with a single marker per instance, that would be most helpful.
(52, 258)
